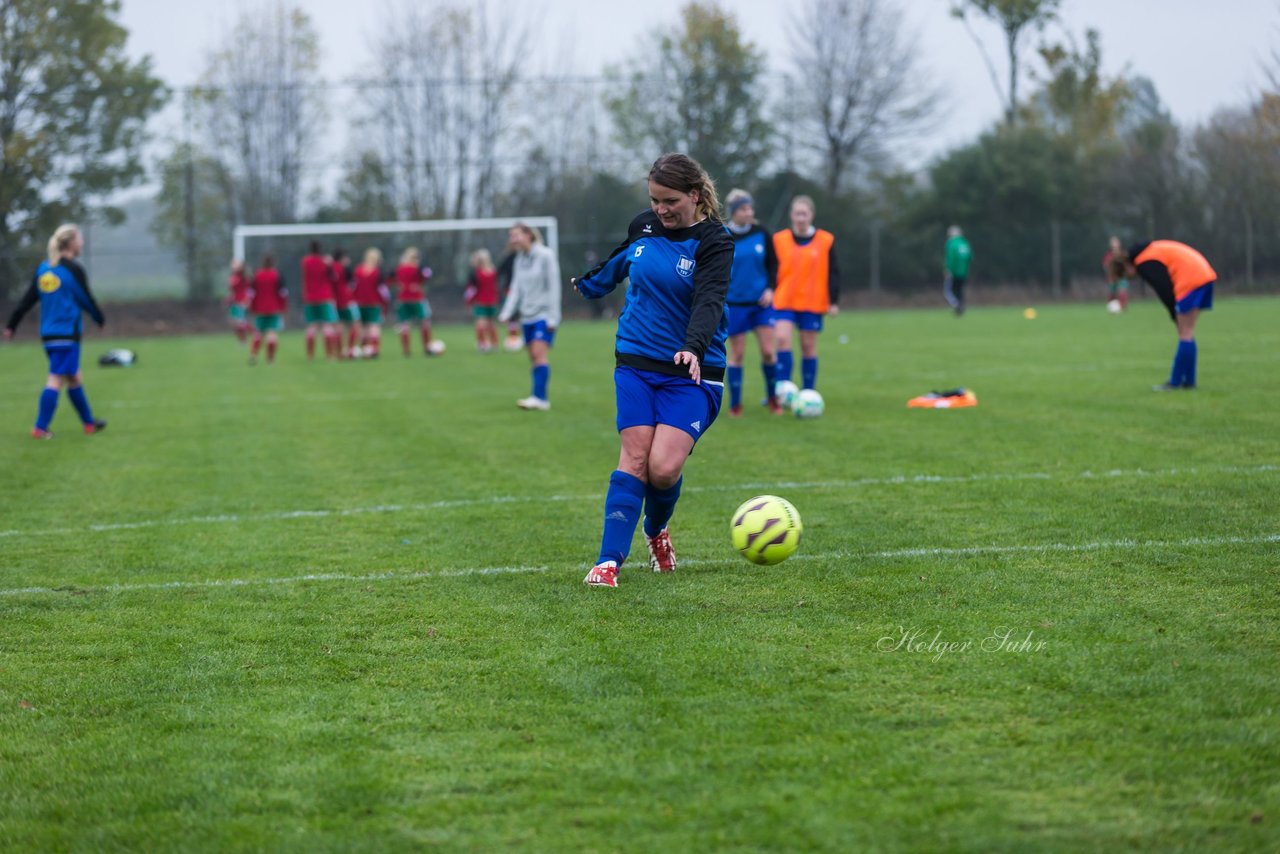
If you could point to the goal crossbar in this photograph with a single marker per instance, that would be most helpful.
(304, 229)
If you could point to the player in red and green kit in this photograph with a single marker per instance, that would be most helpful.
(319, 311)
(239, 287)
(482, 295)
(371, 297)
(348, 311)
(411, 299)
(269, 302)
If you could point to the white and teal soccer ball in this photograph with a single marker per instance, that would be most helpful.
(1114, 306)
(436, 347)
(786, 392)
(808, 404)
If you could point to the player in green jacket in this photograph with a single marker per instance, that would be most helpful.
(957, 268)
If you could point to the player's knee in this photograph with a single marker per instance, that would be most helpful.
(663, 473)
(634, 465)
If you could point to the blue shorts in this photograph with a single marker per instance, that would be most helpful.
(744, 318)
(1201, 298)
(648, 398)
(808, 321)
(538, 331)
(64, 358)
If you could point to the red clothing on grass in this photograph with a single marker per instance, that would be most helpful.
(410, 279)
(240, 287)
(486, 285)
(316, 284)
(368, 289)
(269, 295)
(341, 285)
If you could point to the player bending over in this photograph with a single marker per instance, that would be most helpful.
(1184, 281)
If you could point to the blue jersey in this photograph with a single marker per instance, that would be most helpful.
(679, 279)
(62, 290)
(755, 266)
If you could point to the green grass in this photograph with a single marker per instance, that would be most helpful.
(169, 680)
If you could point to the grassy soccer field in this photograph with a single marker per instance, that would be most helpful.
(339, 606)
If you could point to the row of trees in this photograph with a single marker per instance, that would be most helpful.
(456, 118)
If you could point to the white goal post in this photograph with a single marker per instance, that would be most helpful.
(548, 224)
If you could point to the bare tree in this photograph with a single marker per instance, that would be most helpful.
(858, 83)
(1271, 63)
(1015, 18)
(695, 86)
(260, 109)
(445, 105)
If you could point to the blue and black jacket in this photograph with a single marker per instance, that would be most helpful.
(679, 280)
(755, 266)
(62, 290)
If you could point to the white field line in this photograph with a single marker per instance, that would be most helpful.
(1103, 545)
(263, 582)
(1107, 545)
(497, 500)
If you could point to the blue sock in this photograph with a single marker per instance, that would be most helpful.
(734, 376)
(81, 403)
(48, 403)
(541, 376)
(769, 381)
(809, 372)
(621, 513)
(659, 504)
(1187, 352)
(783, 369)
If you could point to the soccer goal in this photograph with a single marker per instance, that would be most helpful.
(444, 245)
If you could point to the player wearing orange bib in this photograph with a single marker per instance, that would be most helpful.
(808, 288)
(1184, 280)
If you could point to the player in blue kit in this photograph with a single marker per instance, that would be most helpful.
(61, 286)
(750, 301)
(670, 357)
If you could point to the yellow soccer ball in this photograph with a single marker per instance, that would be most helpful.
(766, 530)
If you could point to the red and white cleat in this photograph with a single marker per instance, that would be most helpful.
(662, 558)
(37, 433)
(775, 406)
(602, 575)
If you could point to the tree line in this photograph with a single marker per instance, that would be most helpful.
(460, 111)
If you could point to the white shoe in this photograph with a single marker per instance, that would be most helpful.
(532, 402)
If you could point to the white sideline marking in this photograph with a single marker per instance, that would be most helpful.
(292, 579)
(510, 570)
(1063, 547)
(997, 549)
(495, 500)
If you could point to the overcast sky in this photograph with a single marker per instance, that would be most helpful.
(1201, 54)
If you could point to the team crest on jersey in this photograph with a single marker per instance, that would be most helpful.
(50, 282)
(684, 266)
(759, 248)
